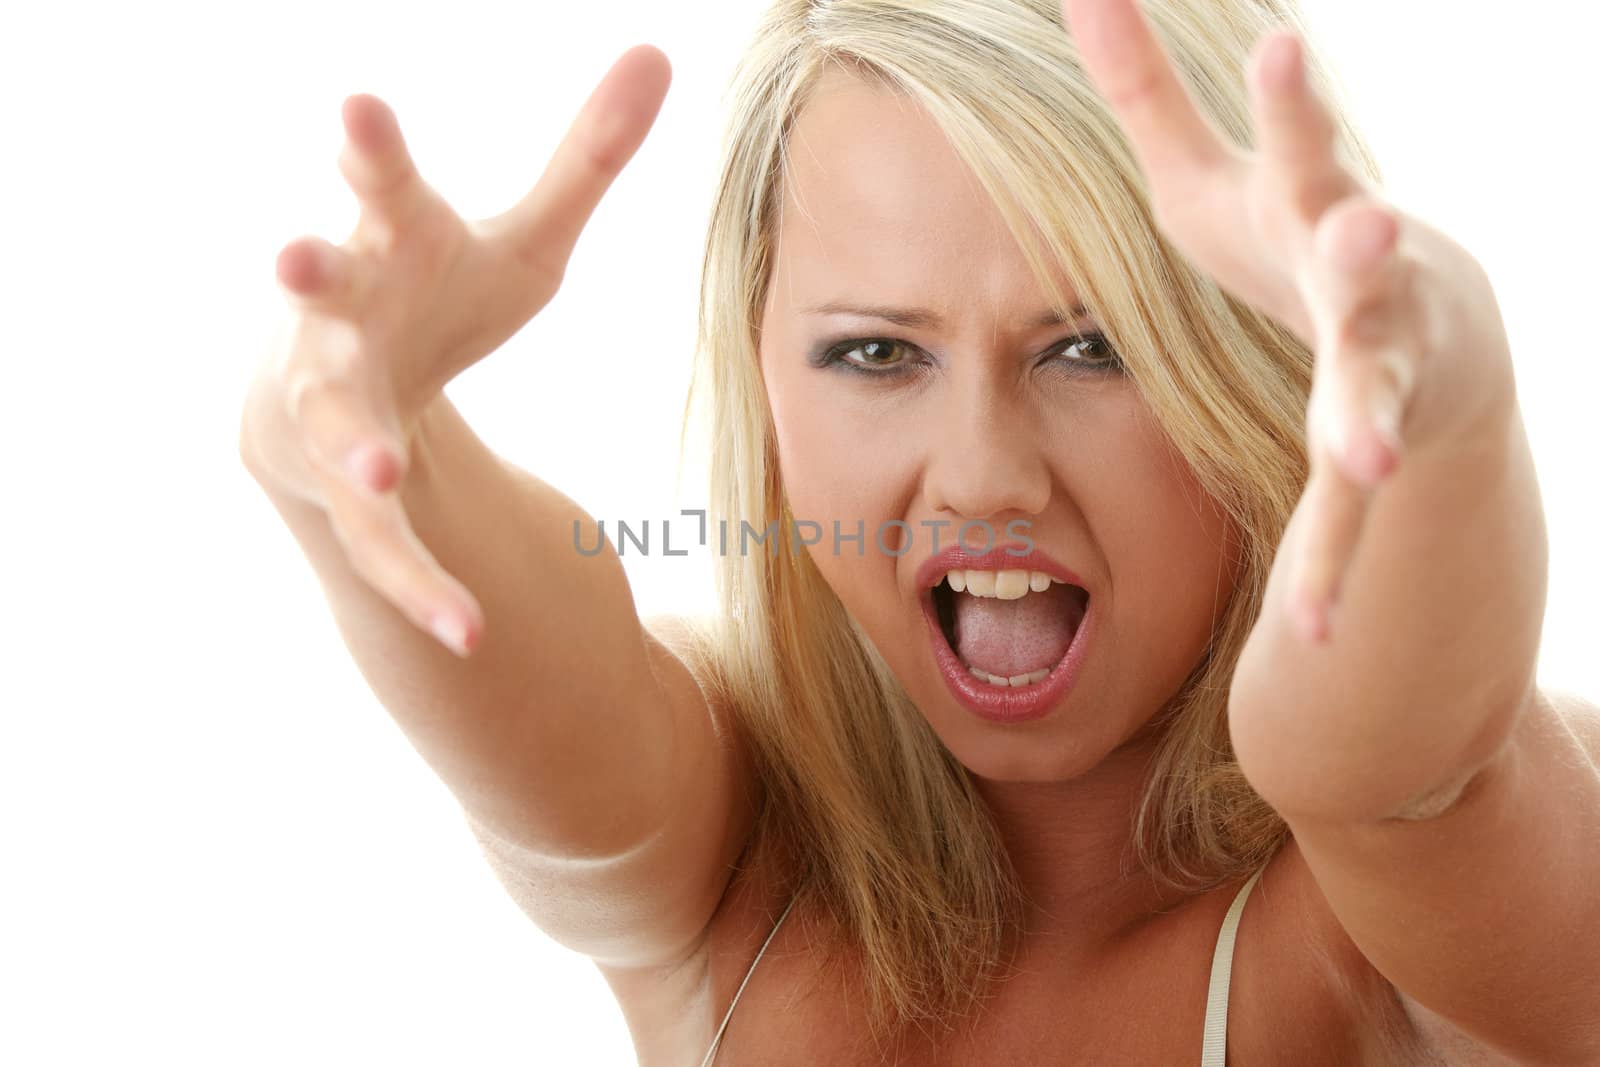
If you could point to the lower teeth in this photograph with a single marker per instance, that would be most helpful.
(1015, 682)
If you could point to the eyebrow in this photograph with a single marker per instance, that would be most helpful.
(922, 318)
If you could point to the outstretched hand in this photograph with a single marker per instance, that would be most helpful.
(381, 323)
(1410, 353)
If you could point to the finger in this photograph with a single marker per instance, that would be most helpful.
(1295, 131)
(1349, 267)
(385, 551)
(1368, 338)
(542, 229)
(320, 276)
(1133, 72)
(1355, 418)
(1336, 509)
(1354, 245)
(343, 437)
(376, 163)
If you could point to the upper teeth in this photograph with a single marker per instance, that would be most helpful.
(1006, 585)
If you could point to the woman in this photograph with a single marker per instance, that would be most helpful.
(1100, 679)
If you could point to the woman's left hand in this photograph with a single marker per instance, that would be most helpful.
(1411, 354)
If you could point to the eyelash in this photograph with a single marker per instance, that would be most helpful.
(834, 355)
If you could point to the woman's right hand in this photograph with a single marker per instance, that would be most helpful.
(380, 324)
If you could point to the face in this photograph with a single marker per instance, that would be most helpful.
(982, 413)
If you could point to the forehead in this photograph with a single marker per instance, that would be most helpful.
(879, 205)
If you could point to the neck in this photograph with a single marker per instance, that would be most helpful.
(1071, 843)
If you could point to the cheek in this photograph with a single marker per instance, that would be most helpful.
(838, 467)
(1165, 542)
(835, 462)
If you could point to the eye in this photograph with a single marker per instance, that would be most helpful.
(886, 355)
(875, 353)
(1100, 356)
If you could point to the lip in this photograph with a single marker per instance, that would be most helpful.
(1007, 706)
(998, 558)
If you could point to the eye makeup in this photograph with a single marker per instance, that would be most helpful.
(879, 353)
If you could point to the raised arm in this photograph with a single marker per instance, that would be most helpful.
(579, 745)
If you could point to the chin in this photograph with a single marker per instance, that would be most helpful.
(1057, 752)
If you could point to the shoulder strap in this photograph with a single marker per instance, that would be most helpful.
(1214, 1051)
(711, 1053)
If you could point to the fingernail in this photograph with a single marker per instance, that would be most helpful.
(449, 630)
(1313, 620)
(370, 465)
(1385, 411)
(1367, 244)
(358, 463)
(1333, 429)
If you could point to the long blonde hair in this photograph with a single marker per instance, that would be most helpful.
(890, 839)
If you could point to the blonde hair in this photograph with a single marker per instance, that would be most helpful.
(889, 838)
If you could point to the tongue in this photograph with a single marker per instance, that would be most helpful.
(1011, 637)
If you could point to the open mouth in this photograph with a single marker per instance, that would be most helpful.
(1008, 628)
(1009, 644)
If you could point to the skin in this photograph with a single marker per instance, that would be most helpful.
(1423, 779)
(1386, 708)
(1397, 760)
(994, 423)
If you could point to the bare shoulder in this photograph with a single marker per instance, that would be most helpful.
(643, 916)
(688, 869)
(677, 643)
(1580, 717)
(684, 654)
(1293, 959)
(1578, 714)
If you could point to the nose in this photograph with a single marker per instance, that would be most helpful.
(985, 461)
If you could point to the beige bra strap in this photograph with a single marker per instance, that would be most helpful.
(1214, 1052)
(711, 1053)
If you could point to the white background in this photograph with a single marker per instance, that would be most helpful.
(219, 848)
